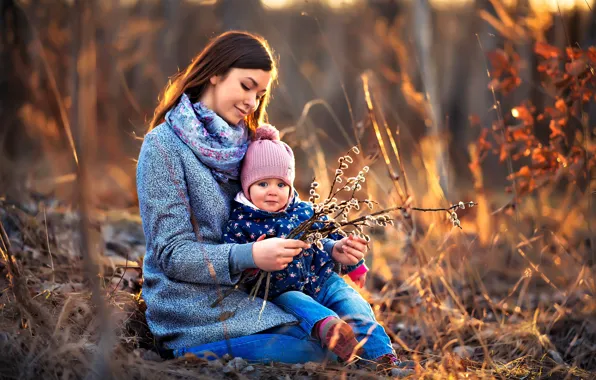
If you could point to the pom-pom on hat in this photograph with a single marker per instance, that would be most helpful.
(267, 157)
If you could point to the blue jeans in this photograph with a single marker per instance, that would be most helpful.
(339, 299)
(284, 344)
(294, 343)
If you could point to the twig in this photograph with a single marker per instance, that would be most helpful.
(53, 85)
(48, 244)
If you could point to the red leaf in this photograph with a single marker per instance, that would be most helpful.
(556, 130)
(547, 51)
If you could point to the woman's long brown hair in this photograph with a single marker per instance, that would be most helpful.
(229, 50)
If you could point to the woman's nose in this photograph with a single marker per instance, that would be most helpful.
(251, 103)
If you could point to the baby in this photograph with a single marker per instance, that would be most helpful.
(308, 287)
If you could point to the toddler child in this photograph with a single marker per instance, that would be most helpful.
(308, 287)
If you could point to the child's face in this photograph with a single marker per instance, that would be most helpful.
(237, 94)
(269, 194)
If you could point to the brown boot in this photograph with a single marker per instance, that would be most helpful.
(339, 338)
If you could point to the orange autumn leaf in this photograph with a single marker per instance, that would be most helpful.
(499, 61)
(524, 171)
(556, 130)
(547, 51)
(573, 53)
(592, 54)
(523, 113)
(503, 153)
(561, 106)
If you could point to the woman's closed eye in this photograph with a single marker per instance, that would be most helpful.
(246, 88)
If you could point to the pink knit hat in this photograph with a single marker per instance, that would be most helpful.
(267, 157)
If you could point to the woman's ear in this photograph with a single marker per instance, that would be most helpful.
(214, 79)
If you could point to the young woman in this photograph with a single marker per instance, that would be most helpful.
(187, 176)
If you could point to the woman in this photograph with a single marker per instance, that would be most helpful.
(187, 176)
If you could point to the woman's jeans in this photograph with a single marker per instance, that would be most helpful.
(294, 343)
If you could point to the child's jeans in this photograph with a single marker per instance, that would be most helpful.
(339, 299)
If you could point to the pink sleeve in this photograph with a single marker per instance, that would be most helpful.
(358, 272)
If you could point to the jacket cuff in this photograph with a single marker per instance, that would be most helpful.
(241, 258)
(358, 272)
(328, 245)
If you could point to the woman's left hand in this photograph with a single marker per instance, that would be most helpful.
(349, 250)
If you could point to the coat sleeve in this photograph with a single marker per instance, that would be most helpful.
(166, 215)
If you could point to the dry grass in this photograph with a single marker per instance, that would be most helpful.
(521, 306)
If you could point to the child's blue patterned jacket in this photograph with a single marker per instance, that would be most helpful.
(309, 269)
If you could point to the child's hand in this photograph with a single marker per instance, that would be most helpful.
(349, 250)
(360, 281)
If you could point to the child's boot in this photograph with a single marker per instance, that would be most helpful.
(338, 337)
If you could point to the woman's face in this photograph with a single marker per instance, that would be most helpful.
(237, 94)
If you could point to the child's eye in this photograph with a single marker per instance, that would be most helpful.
(263, 184)
(281, 184)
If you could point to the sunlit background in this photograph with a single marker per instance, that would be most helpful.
(412, 51)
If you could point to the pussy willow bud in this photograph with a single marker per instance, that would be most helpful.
(314, 185)
(344, 166)
(319, 245)
(349, 159)
(462, 205)
(312, 192)
(339, 172)
(471, 204)
(356, 150)
(365, 169)
(453, 215)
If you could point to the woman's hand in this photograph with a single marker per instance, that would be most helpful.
(275, 253)
(349, 250)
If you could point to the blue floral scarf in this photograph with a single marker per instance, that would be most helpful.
(219, 145)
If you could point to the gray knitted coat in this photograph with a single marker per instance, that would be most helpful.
(183, 274)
